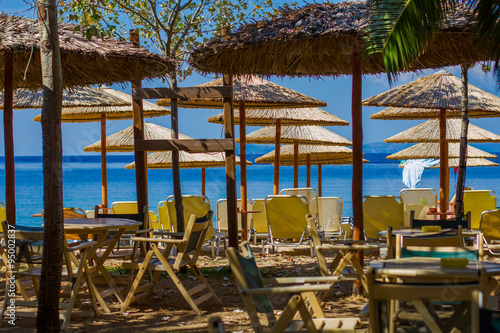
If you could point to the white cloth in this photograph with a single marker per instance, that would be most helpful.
(413, 169)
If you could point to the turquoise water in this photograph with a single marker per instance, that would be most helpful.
(82, 182)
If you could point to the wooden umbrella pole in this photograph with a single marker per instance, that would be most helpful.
(203, 180)
(320, 185)
(277, 145)
(243, 171)
(308, 170)
(8, 132)
(444, 172)
(296, 163)
(104, 172)
(357, 157)
(176, 171)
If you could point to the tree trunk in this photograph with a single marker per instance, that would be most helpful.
(176, 171)
(48, 297)
(462, 164)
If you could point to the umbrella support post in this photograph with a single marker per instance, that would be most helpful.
(104, 172)
(444, 171)
(296, 163)
(308, 170)
(203, 181)
(320, 185)
(10, 184)
(243, 171)
(277, 146)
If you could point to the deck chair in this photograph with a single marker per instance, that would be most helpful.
(312, 198)
(416, 199)
(285, 220)
(380, 212)
(330, 216)
(259, 228)
(477, 202)
(489, 226)
(156, 259)
(221, 217)
(130, 207)
(76, 280)
(421, 300)
(3, 212)
(163, 221)
(302, 302)
(462, 221)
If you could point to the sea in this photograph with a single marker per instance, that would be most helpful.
(82, 182)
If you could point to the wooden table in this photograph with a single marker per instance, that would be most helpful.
(100, 228)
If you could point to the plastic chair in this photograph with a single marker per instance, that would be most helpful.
(130, 207)
(330, 216)
(163, 220)
(3, 212)
(285, 220)
(489, 226)
(417, 199)
(477, 202)
(302, 298)
(156, 259)
(312, 197)
(380, 212)
(259, 229)
(222, 226)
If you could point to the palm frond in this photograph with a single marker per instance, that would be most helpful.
(400, 30)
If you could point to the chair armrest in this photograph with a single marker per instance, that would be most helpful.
(287, 290)
(80, 245)
(158, 240)
(143, 231)
(306, 279)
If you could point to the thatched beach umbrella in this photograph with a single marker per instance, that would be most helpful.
(401, 113)
(308, 155)
(252, 92)
(326, 39)
(93, 112)
(471, 162)
(441, 91)
(430, 132)
(297, 135)
(84, 62)
(433, 150)
(163, 160)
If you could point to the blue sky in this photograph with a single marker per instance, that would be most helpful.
(335, 91)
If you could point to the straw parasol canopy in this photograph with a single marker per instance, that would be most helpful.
(91, 111)
(256, 92)
(288, 116)
(441, 90)
(397, 113)
(431, 150)
(317, 152)
(123, 141)
(163, 160)
(301, 134)
(84, 62)
(471, 162)
(71, 97)
(429, 132)
(318, 39)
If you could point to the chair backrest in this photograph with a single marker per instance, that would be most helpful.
(259, 221)
(381, 291)
(312, 198)
(458, 221)
(130, 207)
(222, 213)
(247, 277)
(417, 199)
(163, 220)
(490, 224)
(142, 217)
(380, 212)
(285, 216)
(330, 213)
(3, 212)
(478, 201)
(199, 205)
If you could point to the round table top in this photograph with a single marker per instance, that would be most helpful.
(419, 232)
(97, 224)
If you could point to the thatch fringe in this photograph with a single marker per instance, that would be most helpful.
(431, 150)
(84, 62)
(255, 92)
(163, 160)
(429, 132)
(304, 135)
(395, 113)
(317, 152)
(288, 116)
(471, 162)
(319, 39)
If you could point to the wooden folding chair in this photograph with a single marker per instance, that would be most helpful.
(302, 302)
(422, 300)
(79, 284)
(156, 259)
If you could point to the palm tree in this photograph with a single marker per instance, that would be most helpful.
(400, 30)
